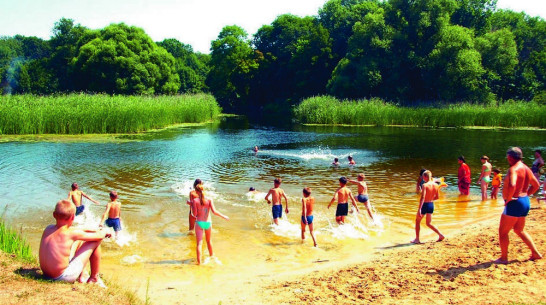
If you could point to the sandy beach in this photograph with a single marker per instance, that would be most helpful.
(458, 270)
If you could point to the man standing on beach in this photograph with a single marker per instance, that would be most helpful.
(518, 185)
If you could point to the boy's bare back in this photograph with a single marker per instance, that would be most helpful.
(430, 191)
(55, 248)
(114, 209)
(309, 203)
(76, 197)
(276, 195)
(343, 195)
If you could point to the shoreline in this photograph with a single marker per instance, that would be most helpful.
(455, 271)
(430, 127)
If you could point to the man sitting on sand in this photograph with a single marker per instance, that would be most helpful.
(60, 240)
(519, 183)
(429, 193)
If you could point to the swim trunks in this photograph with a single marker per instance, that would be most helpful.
(113, 223)
(205, 225)
(277, 211)
(72, 272)
(342, 209)
(427, 208)
(518, 207)
(362, 198)
(487, 179)
(308, 218)
(80, 209)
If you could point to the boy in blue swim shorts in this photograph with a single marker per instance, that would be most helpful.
(113, 210)
(429, 193)
(277, 194)
(362, 196)
(307, 204)
(343, 195)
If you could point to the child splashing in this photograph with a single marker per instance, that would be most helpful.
(200, 209)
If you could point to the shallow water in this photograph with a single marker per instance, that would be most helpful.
(153, 177)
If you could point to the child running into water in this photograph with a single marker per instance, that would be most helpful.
(60, 240)
(200, 209)
(343, 195)
(496, 183)
(277, 194)
(113, 210)
(76, 196)
(426, 207)
(307, 204)
(362, 196)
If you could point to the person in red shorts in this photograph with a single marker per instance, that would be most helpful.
(463, 177)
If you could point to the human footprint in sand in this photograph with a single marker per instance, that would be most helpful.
(60, 240)
(429, 193)
(200, 209)
(519, 183)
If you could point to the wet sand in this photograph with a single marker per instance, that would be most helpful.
(458, 270)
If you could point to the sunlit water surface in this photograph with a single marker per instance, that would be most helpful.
(153, 177)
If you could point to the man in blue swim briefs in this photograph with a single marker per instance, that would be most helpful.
(519, 183)
(277, 194)
(307, 205)
(343, 194)
(429, 193)
(362, 196)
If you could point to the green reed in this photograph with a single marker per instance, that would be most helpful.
(12, 242)
(85, 114)
(329, 110)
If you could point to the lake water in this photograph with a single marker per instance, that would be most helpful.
(153, 176)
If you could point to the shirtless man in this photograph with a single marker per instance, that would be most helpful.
(429, 193)
(57, 244)
(307, 204)
(519, 183)
(343, 194)
(277, 194)
(362, 196)
(76, 196)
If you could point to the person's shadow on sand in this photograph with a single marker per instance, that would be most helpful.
(31, 273)
(454, 272)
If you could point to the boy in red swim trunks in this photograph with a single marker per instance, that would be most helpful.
(429, 193)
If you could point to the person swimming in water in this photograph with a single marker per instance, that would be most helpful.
(76, 196)
(485, 176)
(336, 162)
(351, 160)
(200, 209)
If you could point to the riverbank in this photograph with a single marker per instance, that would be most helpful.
(331, 111)
(76, 114)
(456, 271)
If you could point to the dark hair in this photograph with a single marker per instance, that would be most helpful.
(251, 189)
(196, 182)
(277, 181)
(350, 158)
(343, 180)
(538, 152)
(74, 186)
(496, 170)
(515, 153)
(422, 171)
(113, 195)
(336, 159)
(462, 159)
(307, 191)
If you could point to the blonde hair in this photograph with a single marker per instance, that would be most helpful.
(64, 210)
(427, 174)
(361, 176)
(199, 189)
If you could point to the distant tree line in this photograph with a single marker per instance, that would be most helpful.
(409, 52)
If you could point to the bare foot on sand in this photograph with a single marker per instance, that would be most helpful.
(535, 257)
(441, 238)
(415, 241)
(500, 261)
(315, 244)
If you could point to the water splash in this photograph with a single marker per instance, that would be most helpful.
(132, 259)
(184, 188)
(285, 228)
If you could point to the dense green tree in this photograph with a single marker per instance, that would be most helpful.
(474, 14)
(124, 60)
(11, 56)
(232, 64)
(191, 70)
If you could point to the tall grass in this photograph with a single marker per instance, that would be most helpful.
(84, 113)
(329, 110)
(13, 243)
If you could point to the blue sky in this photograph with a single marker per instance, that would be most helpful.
(194, 22)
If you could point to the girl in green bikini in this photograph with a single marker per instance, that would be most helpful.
(485, 177)
(200, 209)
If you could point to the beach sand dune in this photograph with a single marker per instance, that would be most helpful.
(458, 270)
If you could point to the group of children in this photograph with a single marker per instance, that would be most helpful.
(66, 250)
(349, 158)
